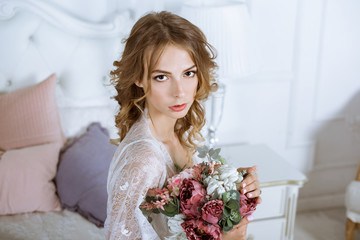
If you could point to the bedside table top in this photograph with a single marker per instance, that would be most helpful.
(272, 169)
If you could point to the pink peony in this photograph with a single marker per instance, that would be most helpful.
(247, 205)
(176, 181)
(197, 229)
(192, 195)
(212, 211)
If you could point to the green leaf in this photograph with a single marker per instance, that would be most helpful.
(172, 208)
(226, 224)
(235, 217)
(226, 197)
(226, 212)
(169, 214)
(227, 229)
(233, 205)
(229, 222)
(222, 223)
(232, 194)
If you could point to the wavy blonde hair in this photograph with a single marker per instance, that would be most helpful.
(148, 37)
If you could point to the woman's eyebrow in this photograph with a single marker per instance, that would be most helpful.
(190, 68)
(160, 71)
(163, 71)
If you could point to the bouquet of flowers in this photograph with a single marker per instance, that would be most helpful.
(201, 201)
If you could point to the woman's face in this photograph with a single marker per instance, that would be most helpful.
(173, 84)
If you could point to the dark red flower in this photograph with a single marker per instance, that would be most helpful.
(191, 195)
(197, 229)
(247, 205)
(212, 211)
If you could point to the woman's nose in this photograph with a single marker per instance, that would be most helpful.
(178, 88)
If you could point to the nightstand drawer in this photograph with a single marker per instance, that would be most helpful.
(273, 229)
(273, 202)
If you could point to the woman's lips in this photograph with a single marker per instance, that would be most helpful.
(178, 108)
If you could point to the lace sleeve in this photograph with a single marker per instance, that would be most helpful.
(137, 170)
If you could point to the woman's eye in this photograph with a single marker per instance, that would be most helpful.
(190, 73)
(161, 78)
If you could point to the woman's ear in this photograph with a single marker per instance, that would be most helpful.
(139, 84)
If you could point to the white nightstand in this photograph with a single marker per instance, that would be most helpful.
(280, 183)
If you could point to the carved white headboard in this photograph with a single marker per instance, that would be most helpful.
(38, 39)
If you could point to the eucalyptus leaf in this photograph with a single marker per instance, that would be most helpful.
(233, 205)
(235, 216)
(229, 222)
(226, 197)
(226, 212)
(227, 229)
(232, 194)
(224, 224)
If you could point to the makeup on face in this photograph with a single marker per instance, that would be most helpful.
(173, 84)
(178, 108)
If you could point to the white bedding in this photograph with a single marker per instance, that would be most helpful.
(50, 225)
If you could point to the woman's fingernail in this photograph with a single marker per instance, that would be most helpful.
(249, 195)
(244, 191)
(243, 185)
(250, 218)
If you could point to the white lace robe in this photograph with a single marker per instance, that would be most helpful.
(140, 162)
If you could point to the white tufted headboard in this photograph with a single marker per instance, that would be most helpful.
(38, 39)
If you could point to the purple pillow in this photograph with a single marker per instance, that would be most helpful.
(82, 174)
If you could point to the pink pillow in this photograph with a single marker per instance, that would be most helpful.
(26, 179)
(29, 116)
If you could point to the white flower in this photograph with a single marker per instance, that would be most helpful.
(175, 227)
(224, 178)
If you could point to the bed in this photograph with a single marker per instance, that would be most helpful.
(48, 51)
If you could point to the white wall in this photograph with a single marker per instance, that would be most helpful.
(305, 103)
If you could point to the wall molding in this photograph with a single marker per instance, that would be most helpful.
(321, 202)
(337, 165)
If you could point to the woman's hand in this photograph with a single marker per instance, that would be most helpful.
(250, 185)
(239, 231)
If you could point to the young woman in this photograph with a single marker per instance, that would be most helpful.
(166, 71)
